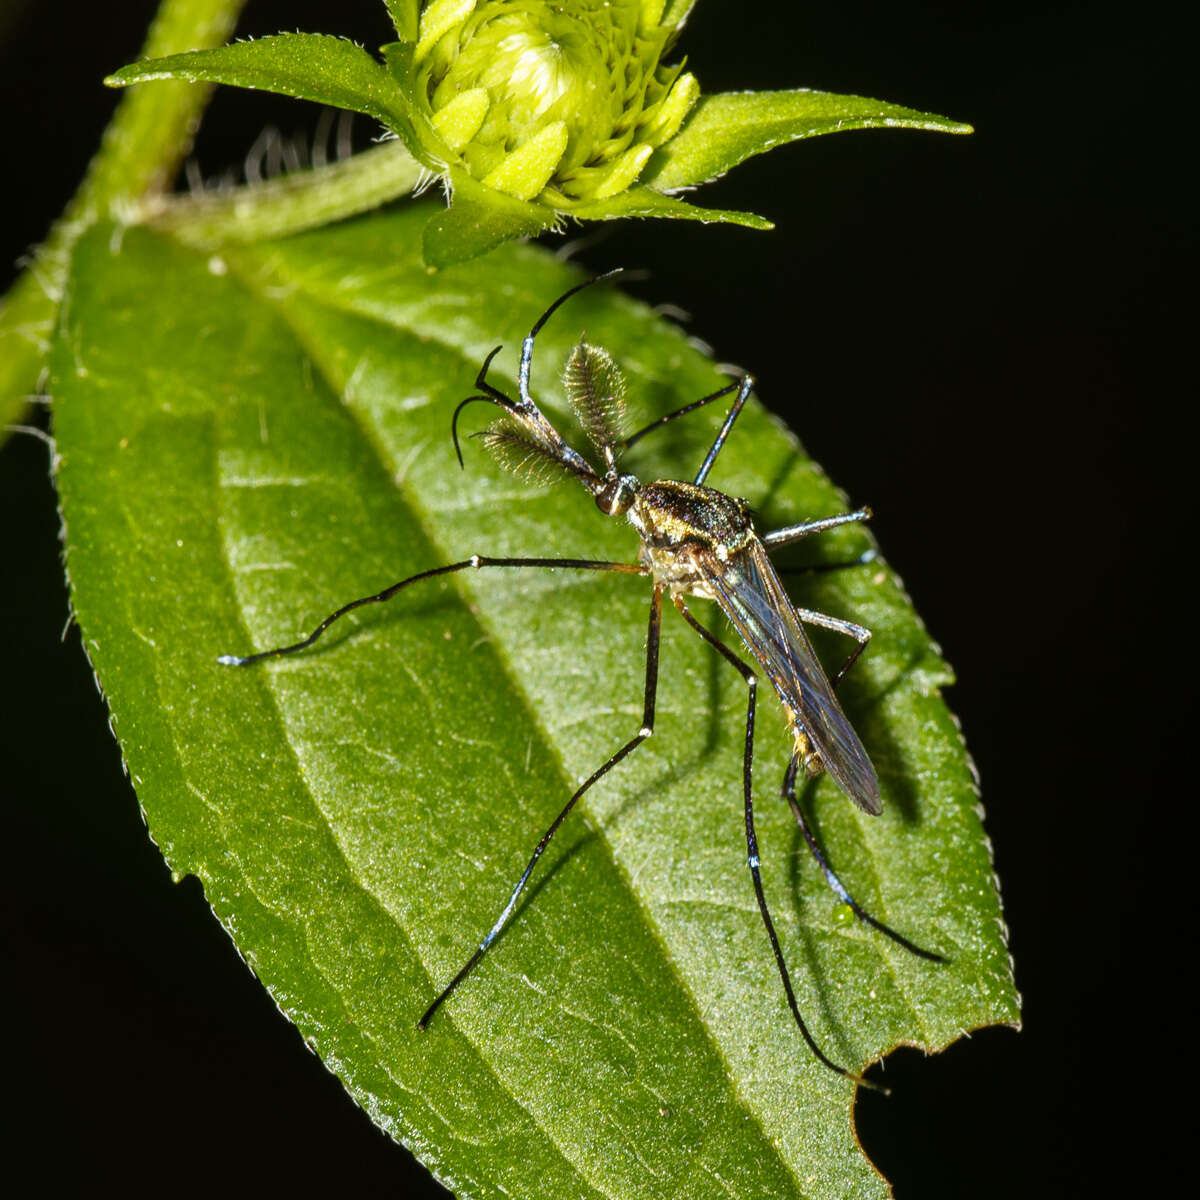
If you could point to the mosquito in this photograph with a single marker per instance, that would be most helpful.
(695, 541)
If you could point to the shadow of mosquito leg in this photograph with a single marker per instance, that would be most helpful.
(860, 633)
(531, 336)
(789, 793)
(647, 728)
(752, 857)
(866, 557)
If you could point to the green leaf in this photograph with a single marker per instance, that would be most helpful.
(405, 16)
(726, 129)
(309, 66)
(676, 13)
(249, 440)
(646, 202)
(479, 219)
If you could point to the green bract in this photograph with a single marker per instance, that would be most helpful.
(529, 111)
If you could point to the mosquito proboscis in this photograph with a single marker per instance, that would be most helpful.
(695, 541)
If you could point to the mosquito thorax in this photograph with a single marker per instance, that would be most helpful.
(617, 494)
(669, 513)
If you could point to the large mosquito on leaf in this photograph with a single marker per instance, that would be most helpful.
(695, 541)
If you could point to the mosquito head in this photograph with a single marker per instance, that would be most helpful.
(616, 494)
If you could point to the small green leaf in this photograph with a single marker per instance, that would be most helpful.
(726, 129)
(460, 120)
(479, 219)
(439, 17)
(309, 66)
(405, 15)
(432, 148)
(646, 202)
(677, 12)
(674, 110)
(524, 172)
(248, 441)
(623, 171)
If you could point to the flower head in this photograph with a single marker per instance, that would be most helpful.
(558, 102)
(535, 111)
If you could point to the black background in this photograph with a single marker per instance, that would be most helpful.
(972, 335)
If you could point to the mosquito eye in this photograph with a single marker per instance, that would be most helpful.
(616, 497)
(612, 499)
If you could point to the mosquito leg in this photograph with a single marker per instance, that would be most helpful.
(859, 632)
(839, 889)
(476, 560)
(743, 394)
(493, 397)
(752, 857)
(642, 734)
(482, 384)
(527, 344)
(793, 533)
(679, 412)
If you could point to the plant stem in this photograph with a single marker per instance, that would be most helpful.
(289, 203)
(142, 147)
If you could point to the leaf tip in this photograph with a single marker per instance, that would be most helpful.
(747, 220)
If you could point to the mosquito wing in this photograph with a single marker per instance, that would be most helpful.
(752, 597)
